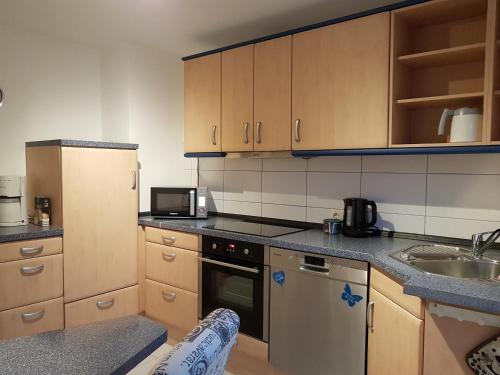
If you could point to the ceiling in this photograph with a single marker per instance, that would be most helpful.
(181, 27)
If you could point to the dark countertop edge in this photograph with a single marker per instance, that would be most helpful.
(142, 355)
(83, 144)
(32, 235)
(410, 279)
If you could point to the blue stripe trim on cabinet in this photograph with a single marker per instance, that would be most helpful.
(400, 151)
(386, 8)
(204, 154)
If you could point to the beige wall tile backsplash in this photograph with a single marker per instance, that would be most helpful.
(447, 195)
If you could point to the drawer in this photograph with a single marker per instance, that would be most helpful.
(122, 302)
(28, 249)
(23, 282)
(171, 305)
(393, 289)
(31, 319)
(172, 238)
(173, 266)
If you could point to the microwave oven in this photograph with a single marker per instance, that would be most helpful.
(179, 202)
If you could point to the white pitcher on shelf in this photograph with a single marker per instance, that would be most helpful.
(465, 126)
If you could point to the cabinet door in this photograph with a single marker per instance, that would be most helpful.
(237, 99)
(202, 102)
(340, 85)
(395, 344)
(100, 206)
(273, 94)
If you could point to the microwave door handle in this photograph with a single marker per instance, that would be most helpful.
(191, 202)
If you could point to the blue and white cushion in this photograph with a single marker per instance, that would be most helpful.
(205, 350)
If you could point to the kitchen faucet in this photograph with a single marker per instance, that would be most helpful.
(478, 247)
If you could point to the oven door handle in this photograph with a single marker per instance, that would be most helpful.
(229, 265)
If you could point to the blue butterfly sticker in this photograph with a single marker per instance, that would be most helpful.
(351, 299)
(279, 277)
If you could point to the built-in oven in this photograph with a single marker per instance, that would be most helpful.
(235, 275)
(179, 202)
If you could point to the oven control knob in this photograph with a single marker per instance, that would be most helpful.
(246, 251)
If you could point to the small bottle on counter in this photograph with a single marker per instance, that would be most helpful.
(42, 211)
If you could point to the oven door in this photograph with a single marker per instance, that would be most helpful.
(173, 202)
(241, 287)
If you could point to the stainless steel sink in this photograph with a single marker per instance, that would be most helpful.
(450, 261)
(484, 270)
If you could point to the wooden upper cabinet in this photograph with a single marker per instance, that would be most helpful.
(202, 104)
(237, 99)
(273, 94)
(340, 85)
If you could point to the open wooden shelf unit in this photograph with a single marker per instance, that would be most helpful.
(440, 54)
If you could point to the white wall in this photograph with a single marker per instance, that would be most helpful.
(52, 90)
(446, 195)
(143, 97)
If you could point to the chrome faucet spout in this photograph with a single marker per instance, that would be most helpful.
(479, 247)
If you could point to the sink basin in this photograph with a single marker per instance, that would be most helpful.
(483, 270)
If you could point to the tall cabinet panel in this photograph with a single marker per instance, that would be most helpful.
(237, 99)
(202, 104)
(340, 85)
(273, 94)
(100, 208)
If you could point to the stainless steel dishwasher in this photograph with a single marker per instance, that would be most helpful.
(318, 314)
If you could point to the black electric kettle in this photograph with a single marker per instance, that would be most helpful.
(356, 223)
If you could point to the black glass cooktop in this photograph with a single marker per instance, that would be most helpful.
(257, 229)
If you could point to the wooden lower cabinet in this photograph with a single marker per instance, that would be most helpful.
(116, 304)
(173, 266)
(20, 250)
(167, 237)
(28, 281)
(171, 305)
(448, 341)
(395, 343)
(31, 319)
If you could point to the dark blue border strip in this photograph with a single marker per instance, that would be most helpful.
(142, 355)
(400, 151)
(204, 154)
(386, 8)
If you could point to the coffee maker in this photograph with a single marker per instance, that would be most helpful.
(12, 201)
(356, 222)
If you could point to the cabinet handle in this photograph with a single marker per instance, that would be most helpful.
(369, 315)
(259, 124)
(297, 130)
(105, 304)
(31, 250)
(134, 180)
(168, 296)
(32, 270)
(29, 317)
(245, 136)
(169, 257)
(214, 128)
(169, 239)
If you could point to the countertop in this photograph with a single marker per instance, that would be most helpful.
(375, 250)
(28, 232)
(109, 347)
(88, 144)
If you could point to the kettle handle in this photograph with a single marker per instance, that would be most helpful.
(374, 212)
(442, 123)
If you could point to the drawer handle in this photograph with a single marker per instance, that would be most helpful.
(105, 304)
(169, 239)
(32, 270)
(169, 257)
(168, 296)
(31, 250)
(29, 317)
